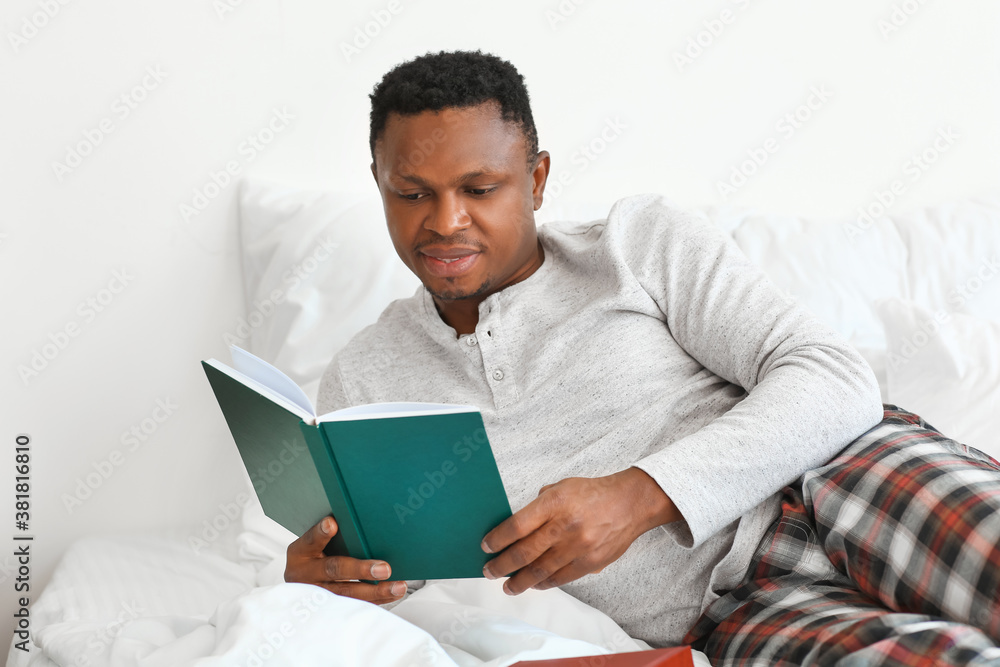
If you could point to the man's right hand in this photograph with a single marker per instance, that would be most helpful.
(307, 564)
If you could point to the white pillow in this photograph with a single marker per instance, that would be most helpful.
(954, 255)
(318, 267)
(835, 274)
(945, 367)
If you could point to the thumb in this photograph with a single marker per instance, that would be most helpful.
(317, 537)
(328, 526)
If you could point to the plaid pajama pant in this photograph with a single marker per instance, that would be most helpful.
(887, 555)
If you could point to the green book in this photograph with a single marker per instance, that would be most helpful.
(413, 484)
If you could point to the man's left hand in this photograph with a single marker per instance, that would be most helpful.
(574, 527)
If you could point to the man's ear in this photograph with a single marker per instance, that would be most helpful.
(539, 176)
(374, 172)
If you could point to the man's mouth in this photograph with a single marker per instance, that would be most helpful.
(448, 262)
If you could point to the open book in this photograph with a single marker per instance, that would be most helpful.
(413, 484)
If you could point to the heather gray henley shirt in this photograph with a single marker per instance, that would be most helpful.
(647, 339)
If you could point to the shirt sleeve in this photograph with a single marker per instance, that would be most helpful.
(809, 393)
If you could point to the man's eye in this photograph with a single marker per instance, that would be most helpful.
(412, 197)
(481, 191)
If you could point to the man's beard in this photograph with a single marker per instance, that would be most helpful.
(454, 295)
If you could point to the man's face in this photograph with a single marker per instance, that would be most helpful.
(459, 199)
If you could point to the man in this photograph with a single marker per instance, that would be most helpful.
(648, 395)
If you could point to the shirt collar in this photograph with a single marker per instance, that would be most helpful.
(440, 330)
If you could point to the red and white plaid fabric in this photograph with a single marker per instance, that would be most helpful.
(887, 555)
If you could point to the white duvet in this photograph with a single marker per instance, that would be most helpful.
(297, 624)
(152, 602)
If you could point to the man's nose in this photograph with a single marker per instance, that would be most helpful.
(449, 216)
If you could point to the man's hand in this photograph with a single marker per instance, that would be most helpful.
(307, 564)
(574, 527)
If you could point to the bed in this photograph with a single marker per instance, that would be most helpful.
(918, 293)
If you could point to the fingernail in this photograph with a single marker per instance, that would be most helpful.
(486, 548)
(380, 571)
(506, 589)
(487, 573)
(325, 526)
(398, 588)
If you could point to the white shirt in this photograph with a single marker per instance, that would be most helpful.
(648, 340)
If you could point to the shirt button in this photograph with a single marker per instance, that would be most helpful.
(498, 374)
(471, 341)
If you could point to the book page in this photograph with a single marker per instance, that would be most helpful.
(389, 410)
(267, 392)
(257, 369)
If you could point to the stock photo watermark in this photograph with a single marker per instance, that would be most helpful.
(212, 529)
(913, 343)
(963, 292)
(21, 562)
(365, 34)
(263, 308)
(712, 29)
(41, 357)
(121, 108)
(585, 155)
(35, 22)
(248, 150)
(290, 451)
(418, 496)
(270, 646)
(225, 7)
(562, 12)
(968, 289)
(132, 439)
(272, 641)
(101, 640)
(913, 168)
(900, 15)
(786, 126)
(425, 148)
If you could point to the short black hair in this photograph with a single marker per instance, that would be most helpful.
(436, 81)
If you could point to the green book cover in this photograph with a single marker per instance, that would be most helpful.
(413, 484)
(425, 489)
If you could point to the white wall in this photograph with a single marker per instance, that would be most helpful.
(683, 129)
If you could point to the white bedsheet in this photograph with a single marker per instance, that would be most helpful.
(153, 602)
